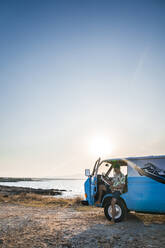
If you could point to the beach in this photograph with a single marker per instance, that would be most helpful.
(37, 221)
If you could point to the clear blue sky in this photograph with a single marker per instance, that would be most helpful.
(71, 71)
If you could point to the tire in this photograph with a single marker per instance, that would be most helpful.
(120, 209)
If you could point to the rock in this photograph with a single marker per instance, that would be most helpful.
(116, 237)
(7, 190)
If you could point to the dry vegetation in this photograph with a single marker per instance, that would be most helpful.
(36, 200)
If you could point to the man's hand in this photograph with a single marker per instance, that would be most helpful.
(119, 187)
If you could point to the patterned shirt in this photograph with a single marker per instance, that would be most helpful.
(118, 179)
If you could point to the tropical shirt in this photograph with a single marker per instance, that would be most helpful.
(118, 179)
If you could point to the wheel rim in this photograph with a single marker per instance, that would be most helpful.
(118, 211)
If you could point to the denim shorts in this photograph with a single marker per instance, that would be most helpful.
(116, 194)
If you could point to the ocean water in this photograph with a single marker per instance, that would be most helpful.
(74, 187)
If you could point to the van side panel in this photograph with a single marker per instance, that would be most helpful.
(145, 194)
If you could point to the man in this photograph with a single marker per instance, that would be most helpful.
(116, 186)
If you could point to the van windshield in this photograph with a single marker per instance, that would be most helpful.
(105, 167)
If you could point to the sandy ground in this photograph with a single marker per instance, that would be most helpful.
(25, 227)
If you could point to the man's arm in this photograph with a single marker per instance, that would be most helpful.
(109, 181)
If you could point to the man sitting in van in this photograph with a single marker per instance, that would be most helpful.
(116, 185)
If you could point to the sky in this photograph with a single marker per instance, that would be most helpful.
(79, 80)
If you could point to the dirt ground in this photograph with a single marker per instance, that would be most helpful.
(26, 227)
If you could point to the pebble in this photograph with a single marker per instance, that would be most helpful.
(130, 239)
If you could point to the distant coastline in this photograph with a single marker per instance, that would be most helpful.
(27, 179)
(15, 179)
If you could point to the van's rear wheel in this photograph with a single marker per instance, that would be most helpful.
(120, 211)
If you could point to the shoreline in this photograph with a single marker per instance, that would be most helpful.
(14, 190)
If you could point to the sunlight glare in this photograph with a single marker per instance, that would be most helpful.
(100, 146)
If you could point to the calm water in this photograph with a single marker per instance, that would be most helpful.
(74, 187)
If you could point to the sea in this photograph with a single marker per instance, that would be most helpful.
(73, 187)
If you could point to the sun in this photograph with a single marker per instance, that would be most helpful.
(100, 146)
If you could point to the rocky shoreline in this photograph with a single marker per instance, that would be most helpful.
(12, 190)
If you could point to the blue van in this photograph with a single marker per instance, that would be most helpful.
(144, 189)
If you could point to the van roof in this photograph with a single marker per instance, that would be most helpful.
(147, 157)
(137, 158)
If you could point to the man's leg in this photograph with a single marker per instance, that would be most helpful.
(101, 189)
(113, 202)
